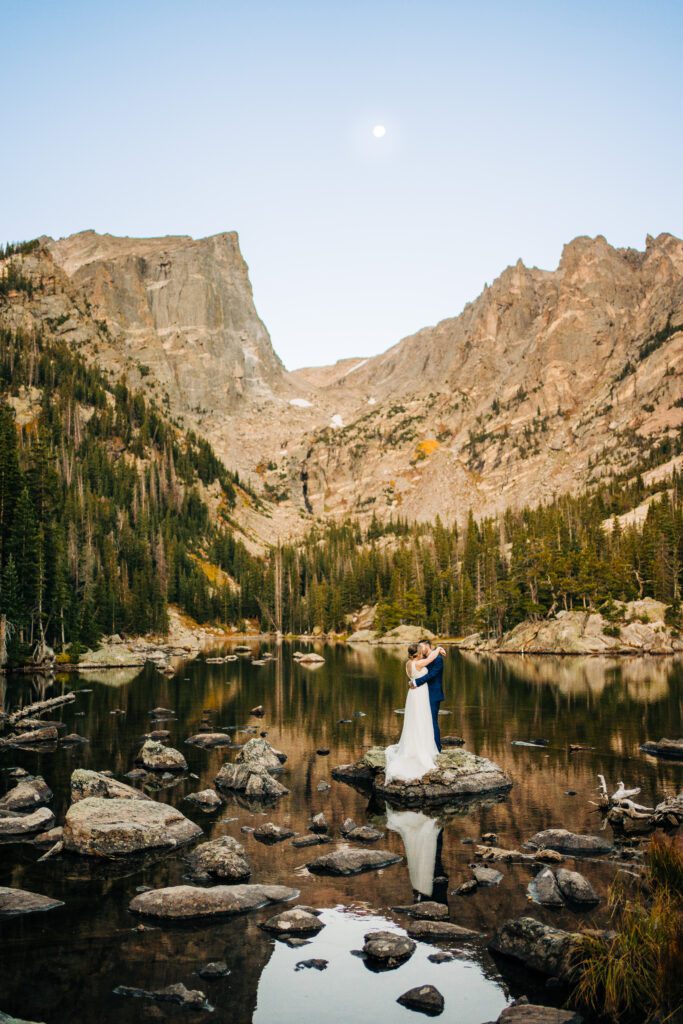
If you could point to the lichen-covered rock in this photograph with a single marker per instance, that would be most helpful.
(297, 921)
(85, 783)
(538, 946)
(27, 795)
(155, 757)
(20, 901)
(390, 949)
(575, 887)
(569, 842)
(460, 775)
(179, 902)
(345, 861)
(115, 827)
(259, 753)
(271, 833)
(222, 858)
(12, 823)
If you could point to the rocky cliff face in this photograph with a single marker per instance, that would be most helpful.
(547, 381)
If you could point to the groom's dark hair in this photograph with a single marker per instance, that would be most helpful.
(426, 641)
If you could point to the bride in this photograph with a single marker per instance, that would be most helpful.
(415, 753)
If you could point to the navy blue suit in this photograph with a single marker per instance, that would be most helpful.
(434, 680)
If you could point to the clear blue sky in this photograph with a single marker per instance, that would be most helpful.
(511, 128)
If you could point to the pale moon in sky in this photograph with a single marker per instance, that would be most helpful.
(379, 131)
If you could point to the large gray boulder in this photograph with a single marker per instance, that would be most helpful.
(345, 861)
(538, 946)
(569, 842)
(116, 827)
(155, 757)
(85, 783)
(20, 901)
(12, 823)
(575, 888)
(189, 901)
(27, 795)
(222, 858)
(460, 775)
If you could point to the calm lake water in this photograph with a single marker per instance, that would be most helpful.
(62, 967)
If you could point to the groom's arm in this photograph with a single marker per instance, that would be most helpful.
(432, 672)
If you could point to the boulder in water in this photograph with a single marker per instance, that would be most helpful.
(116, 827)
(219, 859)
(178, 902)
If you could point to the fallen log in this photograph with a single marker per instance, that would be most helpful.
(39, 708)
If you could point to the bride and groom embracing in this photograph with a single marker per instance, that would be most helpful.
(415, 753)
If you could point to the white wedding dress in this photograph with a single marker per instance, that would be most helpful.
(420, 835)
(415, 753)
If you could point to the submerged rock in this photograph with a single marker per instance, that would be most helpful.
(344, 861)
(427, 931)
(155, 757)
(117, 827)
(14, 902)
(270, 833)
(179, 902)
(213, 970)
(222, 858)
(388, 948)
(208, 740)
(426, 911)
(538, 946)
(193, 999)
(85, 783)
(460, 775)
(26, 795)
(569, 842)
(425, 999)
(296, 921)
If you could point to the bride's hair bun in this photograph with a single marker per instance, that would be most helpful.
(412, 650)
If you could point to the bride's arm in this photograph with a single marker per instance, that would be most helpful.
(423, 662)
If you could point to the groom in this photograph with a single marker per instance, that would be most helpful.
(434, 679)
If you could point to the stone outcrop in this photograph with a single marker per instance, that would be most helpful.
(252, 772)
(156, 757)
(460, 776)
(538, 946)
(115, 827)
(86, 783)
(188, 901)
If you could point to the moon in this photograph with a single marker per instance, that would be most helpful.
(379, 131)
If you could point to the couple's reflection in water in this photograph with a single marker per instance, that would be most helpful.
(422, 837)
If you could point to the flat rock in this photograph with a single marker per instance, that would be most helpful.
(14, 902)
(569, 842)
(425, 999)
(575, 887)
(664, 748)
(538, 946)
(296, 921)
(344, 861)
(487, 876)
(85, 783)
(427, 931)
(27, 795)
(544, 889)
(498, 854)
(364, 834)
(528, 1013)
(315, 840)
(16, 824)
(222, 858)
(460, 774)
(192, 999)
(179, 902)
(207, 740)
(270, 833)
(205, 799)
(426, 911)
(116, 827)
(388, 948)
(155, 757)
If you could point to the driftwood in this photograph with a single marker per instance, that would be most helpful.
(622, 810)
(39, 708)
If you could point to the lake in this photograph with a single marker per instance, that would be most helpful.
(62, 966)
